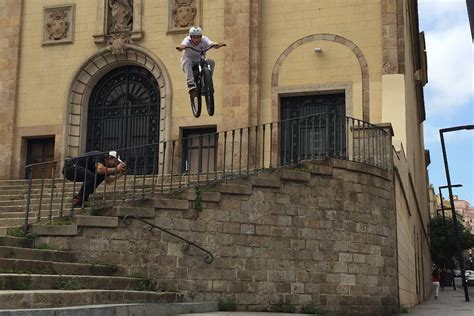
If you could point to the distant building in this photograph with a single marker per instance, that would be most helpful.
(464, 208)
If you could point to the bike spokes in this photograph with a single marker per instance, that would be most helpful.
(196, 104)
(208, 90)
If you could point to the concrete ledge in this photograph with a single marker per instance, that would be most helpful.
(173, 204)
(16, 242)
(295, 175)
(96, 221)
(319, 169)
(265, 182)
(122, 211)
(235, 189)
(54, 230)
(210, 196)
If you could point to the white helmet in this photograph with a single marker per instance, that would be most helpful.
(195, 31)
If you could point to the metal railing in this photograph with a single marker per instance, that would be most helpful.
(175, 165)
(208, 258)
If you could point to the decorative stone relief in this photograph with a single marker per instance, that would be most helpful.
(116, 17)
(120, 15)
(119, 43)
(183, 14)
(58, 24)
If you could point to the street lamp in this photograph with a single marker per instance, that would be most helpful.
(444, 218)
(451, 200)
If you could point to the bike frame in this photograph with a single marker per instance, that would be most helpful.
(204, 83)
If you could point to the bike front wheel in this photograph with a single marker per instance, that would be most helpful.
(209, 90)
(196, 104)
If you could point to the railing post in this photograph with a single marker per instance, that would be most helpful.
(38, 216)
(225, 147)
(163, 168)
(240, 150)
(50, 215)
(232, 153)
(28, 199)
(173, 143)
(271, 144)
(263, 147)
(61, 208)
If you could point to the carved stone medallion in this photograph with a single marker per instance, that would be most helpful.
(183, 15)
(58, 24)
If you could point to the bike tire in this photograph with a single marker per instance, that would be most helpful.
(196, 104)
(209, 90)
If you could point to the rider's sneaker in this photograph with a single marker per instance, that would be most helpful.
(77, 201)
(193, 92)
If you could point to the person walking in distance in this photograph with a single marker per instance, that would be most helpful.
(92, 169)
(435, 278)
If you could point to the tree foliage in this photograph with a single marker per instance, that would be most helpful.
(443, 246)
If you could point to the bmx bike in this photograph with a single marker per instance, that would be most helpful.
(204, 86)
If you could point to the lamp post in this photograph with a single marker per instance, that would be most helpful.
(444, 219)
(451, 200)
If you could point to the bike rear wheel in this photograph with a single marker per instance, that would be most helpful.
(208, 87)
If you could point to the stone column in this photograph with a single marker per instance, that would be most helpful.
(392, 36)
(242, 55)
(241, 71)
(10, 22)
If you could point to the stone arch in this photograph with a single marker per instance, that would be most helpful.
(332, 38)
(88, 75)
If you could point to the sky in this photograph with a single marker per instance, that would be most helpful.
(449, 93)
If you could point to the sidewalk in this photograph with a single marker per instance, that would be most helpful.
(449, 302)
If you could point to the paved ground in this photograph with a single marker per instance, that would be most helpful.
(449, 302)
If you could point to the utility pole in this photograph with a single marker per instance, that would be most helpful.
(451, 200)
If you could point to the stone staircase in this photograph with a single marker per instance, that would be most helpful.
(35, 277)
(50, 199)
(46, 278)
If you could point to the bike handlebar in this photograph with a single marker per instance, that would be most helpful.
(199, 50)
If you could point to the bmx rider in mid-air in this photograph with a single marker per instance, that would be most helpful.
(191, 58)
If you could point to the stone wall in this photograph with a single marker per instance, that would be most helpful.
(10, 20)
(323, 234)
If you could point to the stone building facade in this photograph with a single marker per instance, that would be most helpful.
(59, 60)
(305, 237)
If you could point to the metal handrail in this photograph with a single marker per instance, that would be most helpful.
(209, 258)
(174, 165)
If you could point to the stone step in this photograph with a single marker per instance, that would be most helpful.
(4, 229)
(50, 267)
(23, 197)
(15, 222)
(16, 242)
(12, 214)
(11, 195)
(60, 298)
(162, 309)
(122, 211)
(10, 281)
(96, 221)
(44, 214)
(15, 208)
(42, 229)
(36, 254)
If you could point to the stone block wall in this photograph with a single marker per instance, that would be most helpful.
(322, 234)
